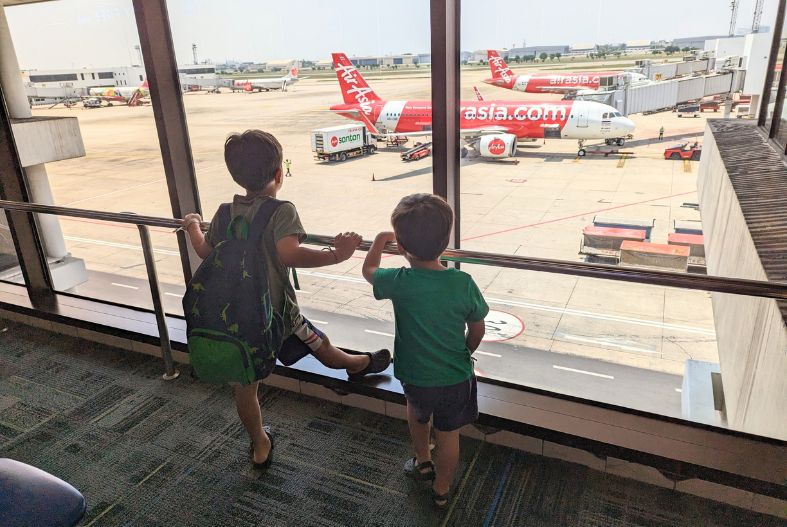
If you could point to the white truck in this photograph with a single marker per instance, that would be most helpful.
(338, 143)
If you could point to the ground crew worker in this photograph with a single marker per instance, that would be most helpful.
(287, 164)
(661, 135)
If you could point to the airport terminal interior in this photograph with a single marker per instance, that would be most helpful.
(619, 190)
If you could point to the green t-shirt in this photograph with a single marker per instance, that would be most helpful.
(431, 309)
(284, 222)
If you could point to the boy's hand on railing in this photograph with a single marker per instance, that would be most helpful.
(386, 237)
(191, 219)
(345, 245)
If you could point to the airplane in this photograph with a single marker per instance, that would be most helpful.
(563, 83)
(490, 128)
(123, 94)
(278, 83)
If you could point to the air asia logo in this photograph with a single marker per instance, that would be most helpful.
(350, 76)
(500, 68)
(575, 80)
(497, 147)
(334, 141)
(492, 112)
(294, 72)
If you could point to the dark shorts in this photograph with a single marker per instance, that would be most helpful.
(305, 339)
(450, 407)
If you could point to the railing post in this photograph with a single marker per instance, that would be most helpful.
(170, 372)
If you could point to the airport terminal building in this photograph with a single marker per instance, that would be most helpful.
(628, 240)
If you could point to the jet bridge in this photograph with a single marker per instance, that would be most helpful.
(665, 95)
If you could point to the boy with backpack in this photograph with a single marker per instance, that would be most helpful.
(240, 306)
(432, 353)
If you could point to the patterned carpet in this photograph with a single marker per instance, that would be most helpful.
(149, 453)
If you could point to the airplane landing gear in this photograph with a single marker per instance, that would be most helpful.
(620, 141)
(581, 145)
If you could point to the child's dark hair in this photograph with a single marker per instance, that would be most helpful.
(422, 223)
(252, 158)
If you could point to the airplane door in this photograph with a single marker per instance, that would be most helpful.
(582, 116)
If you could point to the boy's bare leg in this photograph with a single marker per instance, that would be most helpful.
(251, 416)
(445, 459)
(335, 358)
(419, 433)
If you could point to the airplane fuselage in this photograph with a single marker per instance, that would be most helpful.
(526, 120)
(551, 82)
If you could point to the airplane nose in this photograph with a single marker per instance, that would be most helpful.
(628, 124)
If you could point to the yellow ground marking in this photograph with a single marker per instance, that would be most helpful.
(687, 166)
(622, 160)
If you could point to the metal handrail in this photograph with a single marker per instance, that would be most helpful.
(735, 286)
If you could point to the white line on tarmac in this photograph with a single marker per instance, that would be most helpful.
(608, 343)
(124, 285)
(487, 353)
(174, 294)
(583, 372)
(333, 277)
(317, 321)
(599, 316)
(550, 309)
(301, 291)
(378, 333)
(119, 245)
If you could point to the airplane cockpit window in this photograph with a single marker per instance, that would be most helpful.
(605, 116)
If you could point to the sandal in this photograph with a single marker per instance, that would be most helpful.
(378, 362)
(440, 500)
(419, 471)
(265, 464)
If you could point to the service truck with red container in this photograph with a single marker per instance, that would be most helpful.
(338, 143)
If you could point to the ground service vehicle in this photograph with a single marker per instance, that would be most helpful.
(338, 143)
(419, 151)
(684, 151)
(709, 104)
(689, 110)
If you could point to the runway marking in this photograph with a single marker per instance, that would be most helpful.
(549, 309)
(588, 213)
(608, 343)
(594, 374)
(622, 160)
(176, 295)
(124, 285)
(599, 316)
(329, 276)
(119, 245)
(318, 321)
(382, 333)
(687, 166)
(488, 354)
(71, 203)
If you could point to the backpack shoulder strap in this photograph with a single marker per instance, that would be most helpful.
(263, 217)
(222, 218)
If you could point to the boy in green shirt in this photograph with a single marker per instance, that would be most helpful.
(432, 353)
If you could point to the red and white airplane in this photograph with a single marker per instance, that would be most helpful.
(267, 84)
(564, 83)
(492, 128)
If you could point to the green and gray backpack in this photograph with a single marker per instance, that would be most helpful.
(234, 332)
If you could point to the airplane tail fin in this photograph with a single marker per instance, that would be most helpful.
(353, 86)
(293, 72)
(144, 84)
(497, 65)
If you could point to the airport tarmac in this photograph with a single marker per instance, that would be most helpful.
(536, 207)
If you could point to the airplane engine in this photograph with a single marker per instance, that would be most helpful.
(497, 145)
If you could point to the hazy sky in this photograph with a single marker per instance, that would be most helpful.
(75, 33)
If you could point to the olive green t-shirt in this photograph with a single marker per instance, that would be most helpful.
(284, 222)
(431, 308)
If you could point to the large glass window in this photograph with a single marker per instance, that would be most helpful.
(310, 92)
(121, 170)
